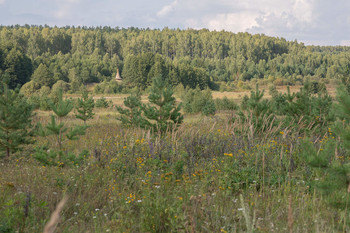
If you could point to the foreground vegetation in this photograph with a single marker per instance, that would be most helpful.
(278, 165)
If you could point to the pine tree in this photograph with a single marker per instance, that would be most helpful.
(343, 113)
(257, 109)
(15, 120)
(131, 115)
(334, 169)
(48, 154)
(84, 107)
(162, 110)
(62, 108)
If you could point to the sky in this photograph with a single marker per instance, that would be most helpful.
(313, 22)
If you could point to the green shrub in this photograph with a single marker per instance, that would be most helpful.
(131, 115)
(195, 100)
(111, 87)
(225, 104)
(103, 103)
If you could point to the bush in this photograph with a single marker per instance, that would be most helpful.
(103, 103)
(195, 100)
(225, 104)
(57, 87)
(29, 88)
(112, 87)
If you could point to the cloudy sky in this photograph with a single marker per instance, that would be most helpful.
(319, 22)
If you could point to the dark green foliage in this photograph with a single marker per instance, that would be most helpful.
(84, 107)
(17, 65)
(257, 110)
(162, 112)
(346, 83)
(15, 120)
(61, 107)
(111, 87)
(209, 109)
(304, 107)
(332, 168)
(225, 104)
(273, 91)
(343, 113)
(56, 88)
(137, 68)
(195, 101)
(56, 154)
(42, 76)
(102, 103)
(131, 115)
(191, 57)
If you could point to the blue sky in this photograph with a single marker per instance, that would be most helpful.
(319, 22)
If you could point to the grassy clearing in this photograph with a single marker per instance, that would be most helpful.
(206, 177)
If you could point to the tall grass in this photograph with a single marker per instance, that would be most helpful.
(208, 176)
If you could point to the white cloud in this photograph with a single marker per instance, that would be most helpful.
(166, 10)
(310, 21)
(235, 22)
(345, 42)
(237, 15)
(302, 9)
(65, 8)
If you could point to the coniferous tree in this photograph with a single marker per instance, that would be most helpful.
(333, 168)
(84, 107)
(57, 155)
(162, 109)
(15, 120)
(62, 108)
(131, 115)
(257, 110)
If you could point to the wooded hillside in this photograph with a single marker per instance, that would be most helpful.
(81, 55)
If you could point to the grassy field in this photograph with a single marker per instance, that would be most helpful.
(211, 175)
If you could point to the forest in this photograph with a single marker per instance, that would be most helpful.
(42, 55)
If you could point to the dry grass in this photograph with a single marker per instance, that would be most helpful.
(238, 95)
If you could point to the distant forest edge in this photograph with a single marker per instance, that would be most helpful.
(39, 56)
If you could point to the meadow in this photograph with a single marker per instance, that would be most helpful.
(211, 174)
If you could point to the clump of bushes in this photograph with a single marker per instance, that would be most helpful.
(198, 101)
(225, 104)
(103, 103)
(111, 87)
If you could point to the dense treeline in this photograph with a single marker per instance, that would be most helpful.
(80, 55)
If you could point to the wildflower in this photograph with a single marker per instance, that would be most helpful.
(124, 147)
(281, 132)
